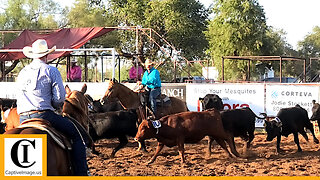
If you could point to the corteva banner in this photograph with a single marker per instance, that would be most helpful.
(282, 96)
(23, 155)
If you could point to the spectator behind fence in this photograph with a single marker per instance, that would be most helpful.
(75, 72)
(135, 72)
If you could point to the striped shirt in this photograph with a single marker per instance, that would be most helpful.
(40, 87)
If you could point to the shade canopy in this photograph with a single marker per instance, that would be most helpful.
(67, 38)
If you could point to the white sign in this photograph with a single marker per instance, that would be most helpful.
(233, 96)
(282, 96)
(8, 90)
(23, 157)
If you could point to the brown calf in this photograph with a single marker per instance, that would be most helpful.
(186, 127)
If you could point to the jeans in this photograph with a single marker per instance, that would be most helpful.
(64, 125)
(154, 93)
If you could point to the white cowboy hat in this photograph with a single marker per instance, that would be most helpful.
(148, 62)
(73, 61)
(39, 49)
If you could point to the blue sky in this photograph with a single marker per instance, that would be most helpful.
(296, 17)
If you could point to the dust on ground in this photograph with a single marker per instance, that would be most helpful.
(260, 160)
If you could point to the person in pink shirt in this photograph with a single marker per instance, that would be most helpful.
(74, 73)
(134, 70)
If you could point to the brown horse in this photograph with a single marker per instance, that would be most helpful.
(131, 100)
(75, 106)
(11, 118)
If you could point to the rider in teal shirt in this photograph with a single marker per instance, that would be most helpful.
(151, 79)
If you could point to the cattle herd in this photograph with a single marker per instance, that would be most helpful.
(110, 120)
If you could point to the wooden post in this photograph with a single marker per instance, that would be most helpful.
(222, 69)
(2, 63)
(280, 70)
(85, 67)
(68, 66)
(248, 78)
(304, 70)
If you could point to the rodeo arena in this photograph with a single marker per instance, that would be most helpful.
(204, 126)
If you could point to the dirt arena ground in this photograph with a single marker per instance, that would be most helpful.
(260, 160)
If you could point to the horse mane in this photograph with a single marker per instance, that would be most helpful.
(121, 85)
(79, 107)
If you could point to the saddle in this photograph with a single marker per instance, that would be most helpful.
(162, 100)
(44, 125)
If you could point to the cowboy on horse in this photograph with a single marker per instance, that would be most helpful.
(41, 92)
(151, 79)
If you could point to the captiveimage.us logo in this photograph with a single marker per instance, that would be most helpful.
(24, 155)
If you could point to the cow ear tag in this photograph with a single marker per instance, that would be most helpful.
(156, 124)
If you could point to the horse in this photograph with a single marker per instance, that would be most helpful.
(11, 118)
(131, 100)
(58, 160)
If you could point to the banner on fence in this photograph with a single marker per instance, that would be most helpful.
(285, 95)
(233, 96)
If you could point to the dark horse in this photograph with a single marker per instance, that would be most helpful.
(131, 100)
(76, 106)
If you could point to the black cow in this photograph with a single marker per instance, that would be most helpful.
(107, 106)
(2, 127)
(211, 101)
(7, 103)
(290, 120)
(240, 123)
(237, 122)
(115, 124)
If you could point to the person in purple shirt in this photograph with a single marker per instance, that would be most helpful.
(75, 72)
(135, 72)
(41, 91)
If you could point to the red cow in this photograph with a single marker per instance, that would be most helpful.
(186, 127)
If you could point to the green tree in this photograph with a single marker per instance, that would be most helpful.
(96, 15)
(237, 29)
(181, 22)
(29, 14)
(275, 44)
(26, 14)
(310, 48)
